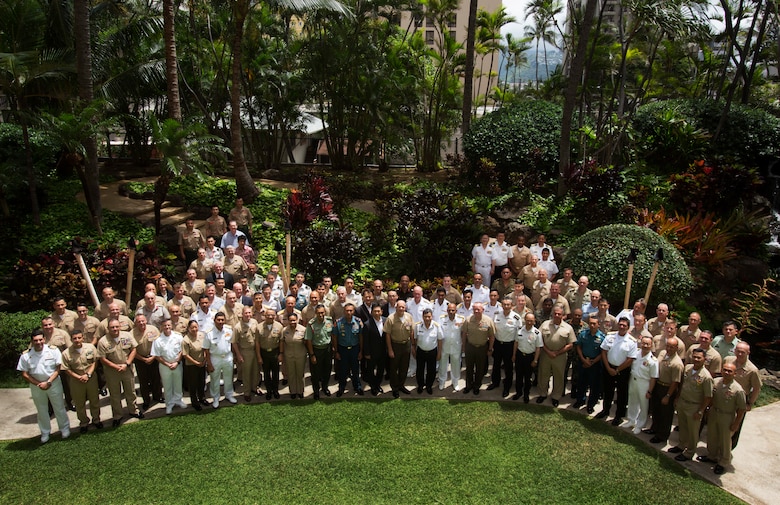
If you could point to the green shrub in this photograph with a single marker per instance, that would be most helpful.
(15, 331)
(601, 255)
(520, 138)
(326, 249)
(676, 132)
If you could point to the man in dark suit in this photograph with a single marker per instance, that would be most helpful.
(364, 311)
(218, 272)
(375, 349)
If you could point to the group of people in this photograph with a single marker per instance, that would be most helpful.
(225, 320)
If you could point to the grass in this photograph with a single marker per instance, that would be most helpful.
(10, 378)
(767, 395)
(431, 451)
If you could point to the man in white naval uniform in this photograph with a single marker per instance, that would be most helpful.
(167, 349)
(452, 346)
(219, 358)
(40, 366)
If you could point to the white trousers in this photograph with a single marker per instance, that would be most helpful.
(453, 359)
(223, 368)
(172, 384)
(638, 403)
(41, 399)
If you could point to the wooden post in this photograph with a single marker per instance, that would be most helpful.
(85, 274)
(659, 257)
(131, 244)
(630, 260)
(288, 253)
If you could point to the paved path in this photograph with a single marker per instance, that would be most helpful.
(752, 479)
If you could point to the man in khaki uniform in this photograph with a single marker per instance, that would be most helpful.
(521, 256)
(607, 322)
(242, 216)
(660, 341)
(269, 334)
(116, 351)
(146, 367)
(233, 311)
(399, 337)
(185, 303)
(541, 288)
(670, 372)
(530, 273)
(695, 397)
(103, 310)
(79, 362)
(580, 295)
(63, 317)
(726, 413)
(86, 324)
(190, 240)
(690, 332)
(558, 338)
(201, 264)
(638, 330)
(746, 376)
(568, 284)
(114, 314)
(309, 311)
(479, 334)
(452, 294)
(555, 296)
(712, 359)
(215, 225)
(234, 264)
(656, 325)
(194, 287)
(244, 337)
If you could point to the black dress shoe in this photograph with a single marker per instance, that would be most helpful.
(526, 399)
(326, 392)
(718, 470)
(681, 457)
(268, 395)
(292, 396)
(204, 401)
(138, 415)
(541, 399)
(360, 392)
(276, 395)
(554, 403)
(103, 392)
(98, 425)
(83, 429)
(419, 389)
(616, 421)
(476, 391)
(648, 431)
(115, 423)
(505, 393)
(656, 440)
(396, 394)
(516, 397)
(374, 392)
(316, 395)
(602, 414)
(492, 387)
(466, 391)
(379, 389)
(675, 450)
(578, 404)
(197, 406)
(429, 390)
(72, 407)
(705, 459)
(159, 400)
(284, 382)
(590, 410)
(405, 391)
(145, 406)
(339, 393)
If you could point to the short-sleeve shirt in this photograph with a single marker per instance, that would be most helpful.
(450, 329)
(348, 332)
(399, 328)
(218, 342)
(556, 337)
(79, 360)
(644, 367)
(479, 332)
(529, 340)
(193, 348)
(116, 350)
(619, 348)
(724, 348)
(747, 375)
(728, 398)
(590, 343)
(245, 334)
(428, 338)
(168, 347)
(40, 365)
(696, 385)
(507, 326)
(670, 368)
(319, 333)
(269, 336)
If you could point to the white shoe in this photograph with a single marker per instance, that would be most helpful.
(637, 430)
(215, 403)
(232, 399)
(182, 405)
(456, 388)
(168, 410)
(44, 438)
(65, 433)
(441, 386)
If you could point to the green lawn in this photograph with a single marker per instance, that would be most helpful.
(396, 452)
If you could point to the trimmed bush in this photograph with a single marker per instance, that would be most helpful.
(521, 138)
(601, 255)
(15, 331)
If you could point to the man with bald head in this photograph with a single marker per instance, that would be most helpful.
(399, 338)
(592, 305)
(746, 375)
(656, 325)
(479, 334)
(690, 332)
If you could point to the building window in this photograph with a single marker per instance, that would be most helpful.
(418, 22)
(429, 37)
(429, 22)
(453, 21)
(452, 34)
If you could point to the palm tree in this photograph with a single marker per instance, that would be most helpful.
(543, 13)
(468, 77)
(182, 148)
(490, 25)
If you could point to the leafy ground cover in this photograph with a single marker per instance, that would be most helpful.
(360, 452)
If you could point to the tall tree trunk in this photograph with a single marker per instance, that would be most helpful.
(171, 70)
(245, 186)
(572, 87)
(468, 79)
(91, 181)
(28, 159)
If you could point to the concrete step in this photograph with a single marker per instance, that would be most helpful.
(169, 216)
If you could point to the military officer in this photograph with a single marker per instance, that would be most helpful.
(79, 362)
(269, 334)
(219, 359)
(695, 397)
(479, 334)
(167, 349)
(527, 348)
(116, 351)
(318, 343)
(399, 338)
(558, 337)
(726, 413)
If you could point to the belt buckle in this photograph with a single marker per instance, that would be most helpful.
(270, 349)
